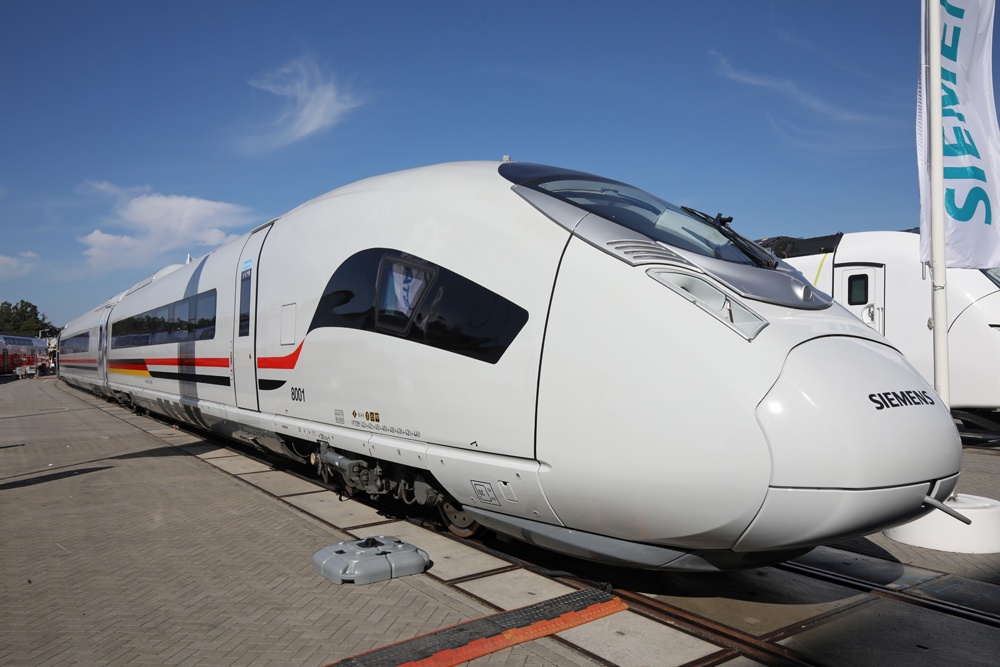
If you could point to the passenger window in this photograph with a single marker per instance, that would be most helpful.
(245, 302)
(180, 328)
(161, 320)
(176, 322)
(857, 290)
(75, 344)
(205, 316)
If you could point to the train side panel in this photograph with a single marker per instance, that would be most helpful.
(975, 361)
(614, 375)
(175, 370)
(318, 364)
(79, 352)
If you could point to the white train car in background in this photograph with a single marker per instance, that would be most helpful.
(539, 351)
(878, 276)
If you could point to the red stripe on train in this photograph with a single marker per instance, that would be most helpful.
(283, 363)
(210, 362)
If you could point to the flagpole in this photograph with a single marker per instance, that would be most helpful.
(939, 299)
(980, 537)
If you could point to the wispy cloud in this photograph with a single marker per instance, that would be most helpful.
(856, 71)
(313, 102)
(157, 225)
(15, 267)
(789, 90)
(834, 140)
(790, 38)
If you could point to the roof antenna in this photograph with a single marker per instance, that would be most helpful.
(506, 158)
(189, 259)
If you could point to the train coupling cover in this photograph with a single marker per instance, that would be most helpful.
(370, 560)
(938, 505)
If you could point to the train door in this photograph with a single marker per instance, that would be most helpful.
(245, 322)
(861, 289)
(3, 369)
(102, 342)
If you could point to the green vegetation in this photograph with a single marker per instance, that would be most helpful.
(25, 319)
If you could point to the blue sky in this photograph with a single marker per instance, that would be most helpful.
(132, 134)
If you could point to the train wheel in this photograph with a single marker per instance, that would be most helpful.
(459, 522)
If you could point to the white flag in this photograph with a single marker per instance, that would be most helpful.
(971, 136)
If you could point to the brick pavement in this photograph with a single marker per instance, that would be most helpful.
(138, 553)
(120, 549)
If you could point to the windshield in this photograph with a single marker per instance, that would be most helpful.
(642, 212)
(637, 210)
(992, 274)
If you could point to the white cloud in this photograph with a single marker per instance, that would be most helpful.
(789, 90)
(313, 102)
(156, 226)
(15, 267)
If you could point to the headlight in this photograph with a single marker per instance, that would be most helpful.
(713, 300)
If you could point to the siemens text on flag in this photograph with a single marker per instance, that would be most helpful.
(971, 136)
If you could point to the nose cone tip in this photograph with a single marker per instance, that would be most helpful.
(857, 440)
(850, 413)
(793, 518)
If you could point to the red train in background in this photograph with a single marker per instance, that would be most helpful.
(18, 350)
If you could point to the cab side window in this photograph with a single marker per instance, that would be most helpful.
(857, 290)
(389, 292)
(401, 288)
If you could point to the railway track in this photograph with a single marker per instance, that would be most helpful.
(764, 648)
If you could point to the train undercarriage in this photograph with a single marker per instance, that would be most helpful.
(348, 472)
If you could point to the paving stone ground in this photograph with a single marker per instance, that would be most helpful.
(120, 549)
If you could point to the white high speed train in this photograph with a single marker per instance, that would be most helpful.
(878, 277)
(550, 354)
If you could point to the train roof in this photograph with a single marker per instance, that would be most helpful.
(790, 246)
(21, 339)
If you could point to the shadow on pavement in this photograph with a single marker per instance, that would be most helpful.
(42, 479)
(146, 453)
(862, 545)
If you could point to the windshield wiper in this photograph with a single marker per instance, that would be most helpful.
(695, 212)
(760, 256)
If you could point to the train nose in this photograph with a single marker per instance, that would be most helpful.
(857, 439)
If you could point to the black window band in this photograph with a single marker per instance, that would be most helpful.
(396, 294)
(189, 319)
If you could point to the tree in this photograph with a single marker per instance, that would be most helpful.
(24, 319)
